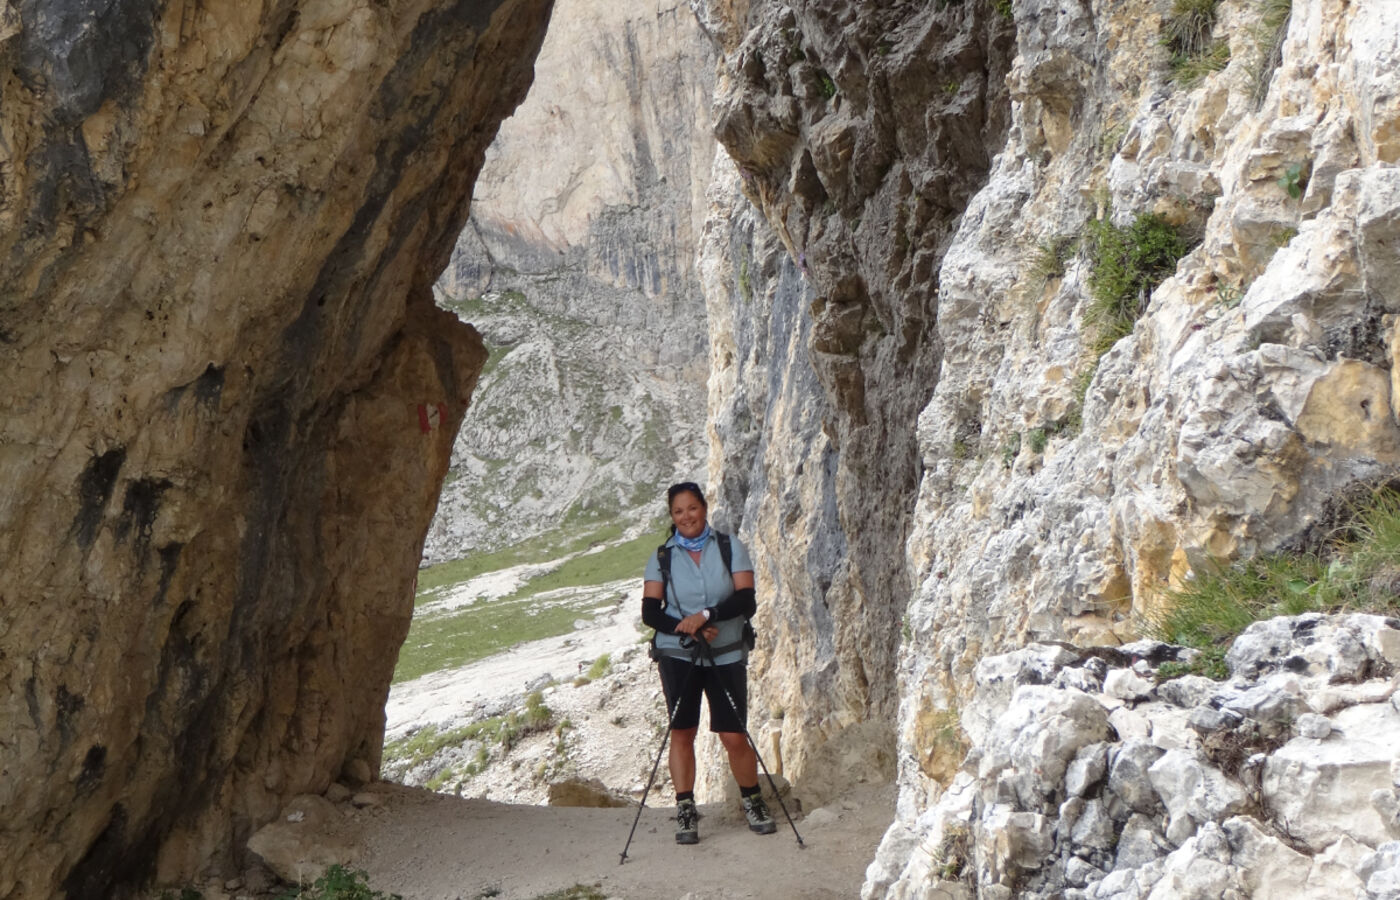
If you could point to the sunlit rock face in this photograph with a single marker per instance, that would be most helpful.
(228, 402)
(1088, 778)
(1045, 492)
(583, 238)
(859, 131)
(1255, 391)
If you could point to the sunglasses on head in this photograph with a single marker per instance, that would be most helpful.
(681, 488)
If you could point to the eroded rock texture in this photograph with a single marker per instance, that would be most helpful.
(941, 227)
(860, 131)
(228, 402)
(1088, 778)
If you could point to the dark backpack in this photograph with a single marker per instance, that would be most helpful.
(726, 553)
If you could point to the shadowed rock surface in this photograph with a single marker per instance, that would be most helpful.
(232, 402)
(848, 140)
(229, 402)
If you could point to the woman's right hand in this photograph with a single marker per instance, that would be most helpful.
(693, 623)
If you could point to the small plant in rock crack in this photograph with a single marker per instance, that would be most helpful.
(1229, 295)
(1010, 450)
(1037, 439)
(1127, 265)
(951, 856)
(1210, 663)
(825, 83)
(1052, 255)
(1294, 180)
(1269, 32)
(1187, 34)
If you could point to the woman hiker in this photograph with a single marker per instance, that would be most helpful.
(693, 588)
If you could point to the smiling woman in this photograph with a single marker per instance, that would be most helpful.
(698, 595)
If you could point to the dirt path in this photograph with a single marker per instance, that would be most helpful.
(434, 846)
(429, 846)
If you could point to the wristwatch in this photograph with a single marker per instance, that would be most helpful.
(706, 613)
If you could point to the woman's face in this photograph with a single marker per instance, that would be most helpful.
(688, 514)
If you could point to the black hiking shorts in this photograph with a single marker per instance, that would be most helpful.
(676, 674)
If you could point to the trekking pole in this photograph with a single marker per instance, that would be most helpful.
(724, 685)
(670, 721)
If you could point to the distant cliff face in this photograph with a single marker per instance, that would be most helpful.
(583, 239)
(229, 401)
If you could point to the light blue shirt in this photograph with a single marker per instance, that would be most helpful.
(694, 587)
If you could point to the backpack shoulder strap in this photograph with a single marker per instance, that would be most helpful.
(663, 559)
(726, 552)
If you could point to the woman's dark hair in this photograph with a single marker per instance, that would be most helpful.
(683, 487)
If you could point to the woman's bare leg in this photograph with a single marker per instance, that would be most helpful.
(743, 762)
(681, 759)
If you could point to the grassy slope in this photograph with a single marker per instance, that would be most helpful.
(446, 640)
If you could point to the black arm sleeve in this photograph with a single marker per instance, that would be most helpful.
(653, 617)
(740, 603)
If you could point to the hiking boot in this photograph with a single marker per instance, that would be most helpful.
(756, 811)
(686, 818)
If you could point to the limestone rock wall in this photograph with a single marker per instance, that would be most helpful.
(578, 267)
(859, 131)
(219, 227)
(1253, 392)
(931, 169)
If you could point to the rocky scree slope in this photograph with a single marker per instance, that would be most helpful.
(1089, 776)
(219, 223)
(577, 265)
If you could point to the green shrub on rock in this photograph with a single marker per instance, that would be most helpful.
(339, 883)
(1127, 264)
(1359, 571)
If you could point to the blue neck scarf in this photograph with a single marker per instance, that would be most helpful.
(695, 544)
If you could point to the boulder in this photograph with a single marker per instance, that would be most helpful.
(1128, 778)
(1087, 769)
(1335, 649)
(1192, 789)
(1140, 842)
(996, 679)
(309, 836)
(1322, 789)
(1039, 734)
(1198, 870)
(1125, 684)
(1186, 691)
(588, 792)
(1381, 871)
